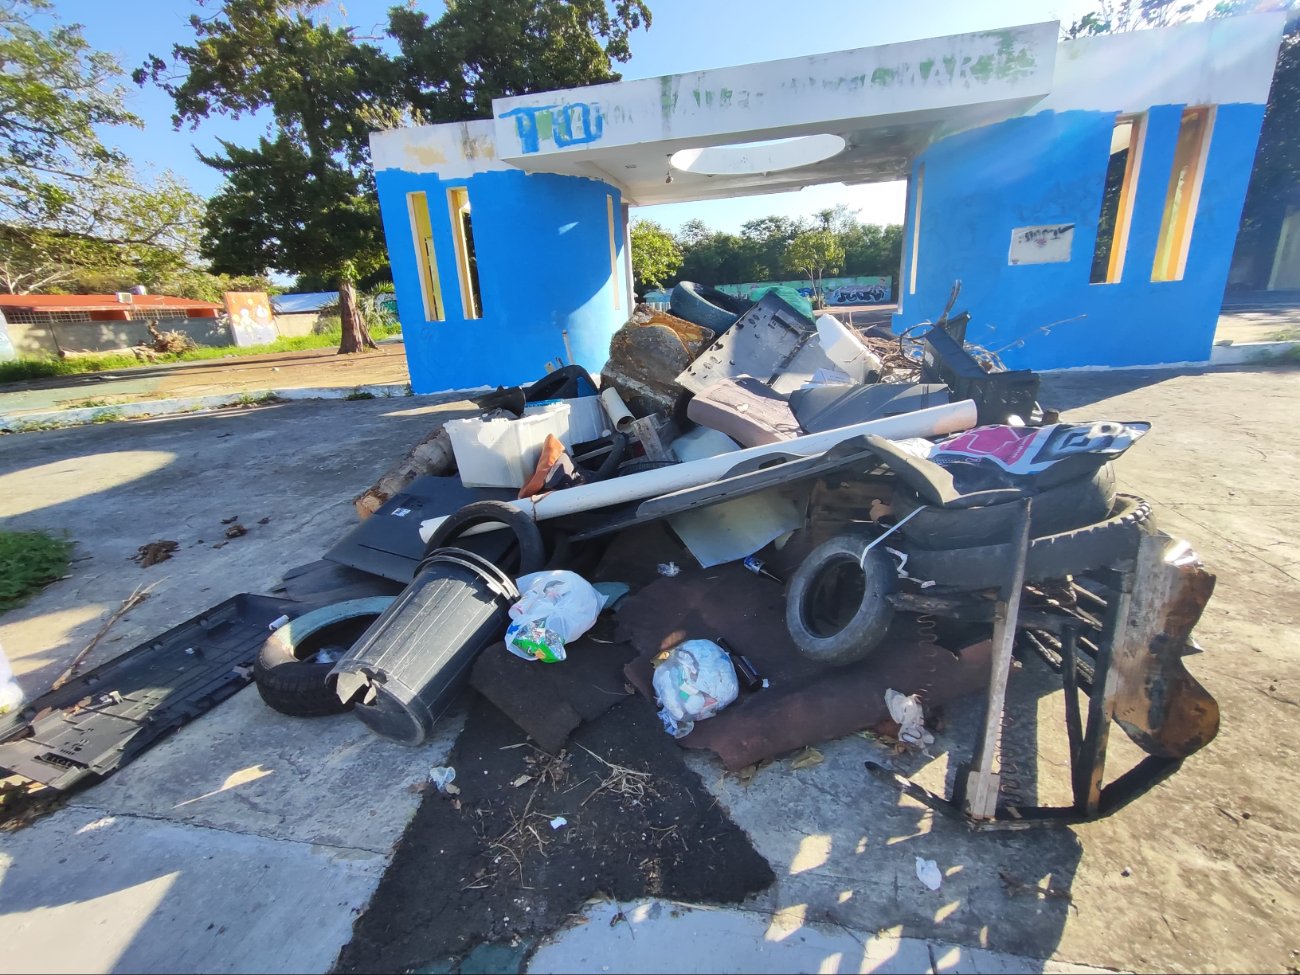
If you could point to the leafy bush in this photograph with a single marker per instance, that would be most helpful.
(29, 561)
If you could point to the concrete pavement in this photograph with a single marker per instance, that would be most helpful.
(654, 935)
(247, 841)
(1196, 875)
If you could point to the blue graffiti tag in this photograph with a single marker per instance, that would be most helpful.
(571, 124)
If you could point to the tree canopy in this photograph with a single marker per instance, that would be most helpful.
(655, 254)
(813, 253)
(759, 252)
(70, 203)
(451, 69)
(302, 200)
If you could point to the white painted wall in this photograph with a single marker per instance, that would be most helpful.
(453, 150)
(796, 94)
(1216, 62)
(1224, 61)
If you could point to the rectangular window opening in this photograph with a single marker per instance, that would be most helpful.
(613, 250)
(417, 206)
(1117, 200)
(916, 228)
(462, 234)
(1183, 194)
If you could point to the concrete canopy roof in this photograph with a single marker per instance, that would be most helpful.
(886, 103)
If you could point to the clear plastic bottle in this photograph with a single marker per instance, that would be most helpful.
(11, 695)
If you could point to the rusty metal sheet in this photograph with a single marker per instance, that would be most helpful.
(1161, 706)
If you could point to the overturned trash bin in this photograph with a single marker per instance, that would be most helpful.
(408, 667)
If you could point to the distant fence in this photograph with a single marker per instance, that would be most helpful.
(859, 290)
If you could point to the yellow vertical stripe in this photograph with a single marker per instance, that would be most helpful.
(613, 252)
(417, 207)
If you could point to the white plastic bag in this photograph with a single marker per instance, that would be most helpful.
(906, 709)
(555, 608)
(11, 695)
(695, 681)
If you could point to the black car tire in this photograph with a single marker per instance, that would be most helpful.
(288, 677)
(1095, 546)
(837, 607)
(1074, 504)
(688, 302)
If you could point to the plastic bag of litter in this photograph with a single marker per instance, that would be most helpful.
(695, 681)
(11, 695)
(555, 608)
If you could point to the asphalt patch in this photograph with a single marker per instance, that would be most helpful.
(487, 867)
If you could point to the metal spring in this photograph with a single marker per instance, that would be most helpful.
(1010, 785)
(926, 633)
(927, 628)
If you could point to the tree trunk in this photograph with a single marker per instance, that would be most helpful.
(356, 337)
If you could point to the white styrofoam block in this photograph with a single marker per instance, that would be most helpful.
(503, 453)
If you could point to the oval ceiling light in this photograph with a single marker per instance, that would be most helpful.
(768, 156)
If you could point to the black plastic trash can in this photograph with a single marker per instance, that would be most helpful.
(408, 667)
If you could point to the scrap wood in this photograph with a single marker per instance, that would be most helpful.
(896, 367)
(23, 801)
(128, 604)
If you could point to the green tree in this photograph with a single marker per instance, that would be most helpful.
(764, 243)
(655, 255)
(717, 258)
(478, 50)
(54, 92)
(301, 201)
(1117, 16)
(68, 202)
(813, 253)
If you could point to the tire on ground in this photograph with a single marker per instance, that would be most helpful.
(836, 610)
(289, 678)
(689, 303)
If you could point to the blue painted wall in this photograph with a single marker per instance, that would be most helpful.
(542, 243)
(1050, 168)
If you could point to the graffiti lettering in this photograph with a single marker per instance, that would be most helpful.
(852, 296)
(571, 124)
(1049, 244)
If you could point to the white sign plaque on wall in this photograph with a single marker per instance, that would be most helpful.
(1041, 245)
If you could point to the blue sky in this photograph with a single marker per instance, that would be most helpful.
(687, 35)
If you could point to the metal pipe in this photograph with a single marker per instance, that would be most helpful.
(933, 422)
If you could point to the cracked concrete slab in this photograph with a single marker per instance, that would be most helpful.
(247, 841)
(89, 891)
(652, 936)
(1195, 875)
(329, 781)
(1198, 873)
(116, 486)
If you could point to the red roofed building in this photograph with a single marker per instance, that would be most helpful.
(46, 309)
(54, 325)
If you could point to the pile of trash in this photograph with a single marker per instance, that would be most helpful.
(777, 529)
